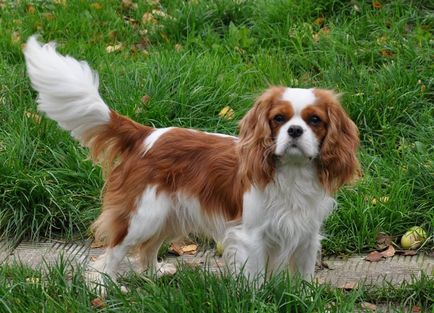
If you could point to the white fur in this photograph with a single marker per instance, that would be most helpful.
(154, 136)
(299, 98)
(68, 89)
(307, 145)
(280, 225)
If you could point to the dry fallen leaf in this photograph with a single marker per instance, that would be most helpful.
(48, 16)
(368, 306)
(34, 116)
(319, 21)
(189, 249)
(176, 248)
(96, 6)
(387, 53)
(227, 113)
(383, 241)
(416, 309)
(145, 99)
(30, 9)
(390, 252)
(114, 48)
(376, 5)
(410, 252)
(148, 18)
(129, 4)
(98, 303)
(374, 256)
(15, 37)
(33, 280)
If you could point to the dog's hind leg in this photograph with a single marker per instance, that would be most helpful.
(146, 223)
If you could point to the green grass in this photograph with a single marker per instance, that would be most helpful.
(209, 54)
(191, 290)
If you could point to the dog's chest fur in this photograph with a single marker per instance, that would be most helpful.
(289, 209)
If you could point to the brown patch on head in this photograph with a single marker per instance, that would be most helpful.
(337, 163)
(280, 112)
(257, 134)
(316, 118)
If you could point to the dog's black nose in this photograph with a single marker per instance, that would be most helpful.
(295, 131)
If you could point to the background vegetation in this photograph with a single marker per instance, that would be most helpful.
(179, 63)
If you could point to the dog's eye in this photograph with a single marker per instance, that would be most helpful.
(279, 119)
(314, 120)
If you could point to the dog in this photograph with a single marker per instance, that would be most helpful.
(264, 194)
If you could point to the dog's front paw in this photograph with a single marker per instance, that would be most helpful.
(164, 269)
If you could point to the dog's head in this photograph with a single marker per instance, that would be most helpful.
(293, 125)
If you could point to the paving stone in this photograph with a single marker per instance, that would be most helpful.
(343, 273)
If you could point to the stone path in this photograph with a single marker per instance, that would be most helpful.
(342, 273)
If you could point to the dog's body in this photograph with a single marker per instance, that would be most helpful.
(264, 194)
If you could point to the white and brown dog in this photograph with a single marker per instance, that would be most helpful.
(264, 194)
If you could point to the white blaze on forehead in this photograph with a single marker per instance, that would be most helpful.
(307, 144)
(299, 98)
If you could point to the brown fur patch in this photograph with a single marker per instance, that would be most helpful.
(337, 164)
(257, 144)
(200, 165)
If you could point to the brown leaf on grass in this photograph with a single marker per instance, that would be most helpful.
(377, 5)
(48, 16)
(383, 241)
(148, 18)
(30, 9)
(114, 48)
(227, 113)
(374, 256)
(189, 249)
(15, 37)
(176, 249)
(129, 4)
(387, 53)
(96, 6)
(35, 117)
(416, 309)
(98, 303)
(390, 252)
(319, 21)
(368, 306)
(406, 252)
(145, 99)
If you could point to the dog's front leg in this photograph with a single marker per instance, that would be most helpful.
(244, 253)
(306, 255)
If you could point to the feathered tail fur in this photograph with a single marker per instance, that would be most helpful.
(68, 93)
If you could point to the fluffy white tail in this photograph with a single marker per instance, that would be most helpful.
(68, 89)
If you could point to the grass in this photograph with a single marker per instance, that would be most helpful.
(191, 290)
(203, 55)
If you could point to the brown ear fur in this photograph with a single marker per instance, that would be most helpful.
(256, 143)
(338, 164)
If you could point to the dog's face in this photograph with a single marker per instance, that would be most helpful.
(297, 125)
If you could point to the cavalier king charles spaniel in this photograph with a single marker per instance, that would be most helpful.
(264, 194)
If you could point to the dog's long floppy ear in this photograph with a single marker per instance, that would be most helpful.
(338, 164)
(256, 143)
